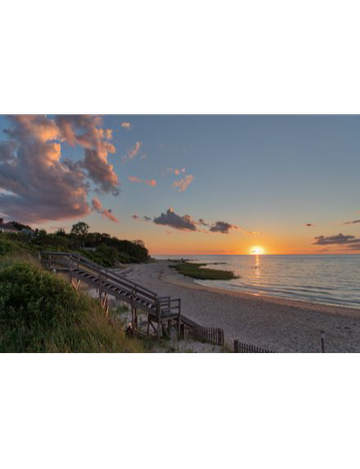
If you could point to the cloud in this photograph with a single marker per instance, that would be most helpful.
(203, 222)
(351, 222)
(183, 184)
(310, 225)
(106, 213)
(136, 217)
(222, 227)
(7, 150)
(126, 125)
(38, 184)
(347, 241)
(149, 182)
(187, 223)
(175, 171)
(132, 152)
(170, 218)
(87, 132)
(100, 172)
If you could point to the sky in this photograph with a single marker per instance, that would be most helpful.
(188, 184)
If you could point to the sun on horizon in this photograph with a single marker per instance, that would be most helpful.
(257, 251)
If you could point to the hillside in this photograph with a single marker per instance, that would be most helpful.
(101, 248)
(40, 312)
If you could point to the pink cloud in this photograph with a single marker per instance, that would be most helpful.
(87, 132)
(106, 213)
(176, 171)
(149, 182)
(39, 183)
(134, 179)
(126, 125)
(184, 183)
(132, 152)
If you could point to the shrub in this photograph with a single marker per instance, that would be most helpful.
(40, 312)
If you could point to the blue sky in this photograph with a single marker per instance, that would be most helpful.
(266, 174)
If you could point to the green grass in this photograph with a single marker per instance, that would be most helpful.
(40, 312)
(198, 271)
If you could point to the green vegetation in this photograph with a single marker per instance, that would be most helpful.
(101, 248)
(198, 271)
(40, 312)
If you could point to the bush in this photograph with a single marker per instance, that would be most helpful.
(40, 312)
(11, 244)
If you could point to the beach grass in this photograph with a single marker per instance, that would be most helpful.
(201, 272)
(40, 312)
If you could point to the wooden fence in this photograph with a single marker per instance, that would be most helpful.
(212, 335)
(191, 330)
(240, 347)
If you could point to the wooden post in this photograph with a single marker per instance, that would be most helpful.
(322, 335)
(182, 331)
(236, 346)
(133, 324)
(169, 328)
(159, 319)
(70, 270)
(179, 322)
(100, 287)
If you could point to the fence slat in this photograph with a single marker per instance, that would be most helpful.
(212, 335)
(241, 347)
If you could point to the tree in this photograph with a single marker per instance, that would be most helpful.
(80, 230)
(139, 242)
(60, 232)
(19, 226)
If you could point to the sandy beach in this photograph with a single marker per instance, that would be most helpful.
(277, 324)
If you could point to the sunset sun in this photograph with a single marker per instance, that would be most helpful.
(257, 250)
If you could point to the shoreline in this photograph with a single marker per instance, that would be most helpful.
(279, 324)
(188, 282)
(286, 301)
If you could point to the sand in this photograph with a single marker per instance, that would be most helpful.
(277, 324)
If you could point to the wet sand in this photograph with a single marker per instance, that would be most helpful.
(277, 324)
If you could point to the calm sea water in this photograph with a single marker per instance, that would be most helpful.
(333, 280)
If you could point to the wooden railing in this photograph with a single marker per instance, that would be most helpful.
(158, 309)
(70, 260)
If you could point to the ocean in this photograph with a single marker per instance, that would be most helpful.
(327, 279)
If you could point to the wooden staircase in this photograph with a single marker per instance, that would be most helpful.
(159, 310)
